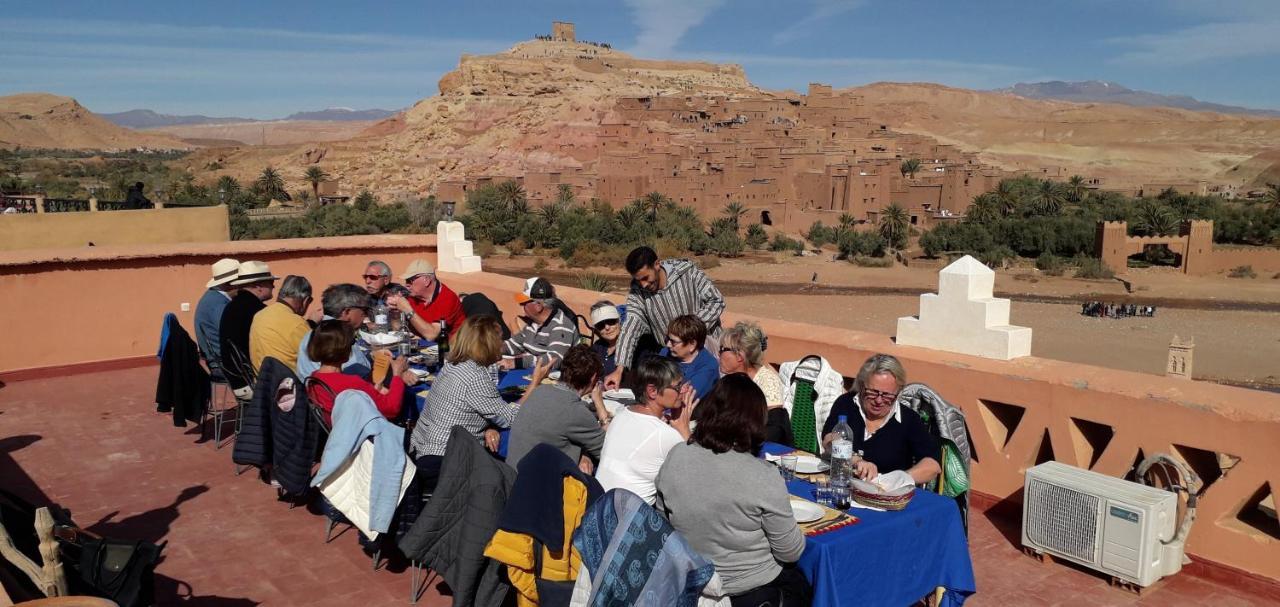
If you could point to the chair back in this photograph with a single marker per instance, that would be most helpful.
(238, 362)
(946, 423)
(316, 388)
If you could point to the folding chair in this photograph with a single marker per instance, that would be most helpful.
(238, 363)
(217, 407)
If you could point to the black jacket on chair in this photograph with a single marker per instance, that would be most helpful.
(269, 434)
(183, 385)
(233, 333)
(450, 535)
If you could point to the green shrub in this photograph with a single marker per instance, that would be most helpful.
(996, 257)
(1242, 272)
(539, 265)
(517, 247)
(818, 234)
(706, 262)
(595, 282)
(726, 243)
(485, 248)
(756, 238)
(871, 262)
(783, 243)
(864, 244)
(1051, 264)
(1093, 268)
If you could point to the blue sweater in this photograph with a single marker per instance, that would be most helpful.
(702, 373)
(208, 317)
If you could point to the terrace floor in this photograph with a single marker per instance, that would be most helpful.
(93, 443)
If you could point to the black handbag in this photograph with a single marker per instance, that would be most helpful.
(120, 570)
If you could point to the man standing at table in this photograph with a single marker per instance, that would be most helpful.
(429, 301)
(217, 295)
(256, 285)
(661, 291)
(279, 328)
(548, 333)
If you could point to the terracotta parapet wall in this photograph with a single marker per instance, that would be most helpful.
(63, 307)
(126, 227)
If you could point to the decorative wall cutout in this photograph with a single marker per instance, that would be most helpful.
(1089, 439)
(1001, 419)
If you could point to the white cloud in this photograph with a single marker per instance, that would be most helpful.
(1207, 43)
(822, 10)
(662, 23)
(259, 72)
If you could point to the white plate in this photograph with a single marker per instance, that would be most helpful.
(622, 394)
(554, 376)
(808, 464)
(379, 339)
(806, 512)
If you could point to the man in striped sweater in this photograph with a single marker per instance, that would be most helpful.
(549, 331)
(660, 292)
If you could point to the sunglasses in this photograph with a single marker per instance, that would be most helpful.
(876, 395)
(724, 349)
(372, 277)
(600, 326)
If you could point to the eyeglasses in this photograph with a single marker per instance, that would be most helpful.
(671, 341)
(678, 386)
(373, 277)
(724, 349)
(876, 395)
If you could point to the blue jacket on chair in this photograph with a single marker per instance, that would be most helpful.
(356, 418)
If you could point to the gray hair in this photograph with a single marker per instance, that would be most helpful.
(383, 268)
(749, 340)
(338, 298)
(654, 371)
(294, 287)
(881, 363)
(603, 303)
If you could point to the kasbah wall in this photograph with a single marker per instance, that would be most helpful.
(1194, 244)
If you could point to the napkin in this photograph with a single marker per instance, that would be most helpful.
(380, 339)
(893, 481)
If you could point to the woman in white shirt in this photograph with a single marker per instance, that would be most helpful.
(640, 435)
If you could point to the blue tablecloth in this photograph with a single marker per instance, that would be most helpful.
(888, 558)
(516, 378)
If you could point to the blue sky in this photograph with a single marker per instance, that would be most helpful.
(267, 59)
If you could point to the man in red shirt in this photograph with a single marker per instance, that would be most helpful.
(429, 301)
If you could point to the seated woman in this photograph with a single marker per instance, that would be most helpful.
(464, 394)
(640, 435)
(889, 436)
(608, 325)
(330, 345)
(732, 506)
(742, 351)
(686, 338)
(555, 414)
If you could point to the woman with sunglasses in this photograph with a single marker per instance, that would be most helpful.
(608, 325)
(890, 437)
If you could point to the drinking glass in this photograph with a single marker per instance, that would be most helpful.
(822, 494)
(789, 467)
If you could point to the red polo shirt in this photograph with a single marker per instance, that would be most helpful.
(444, 306)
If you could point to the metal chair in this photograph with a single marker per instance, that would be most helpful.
(217, 407)
(237, 362)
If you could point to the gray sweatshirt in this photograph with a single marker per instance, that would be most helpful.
(732, 508)
(557, 416)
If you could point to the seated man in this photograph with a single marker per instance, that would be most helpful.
(430, 302)
(685, 340)
(890, 437)
(350, 304)
(548, 332)
(377, 282)
(556, 414)
(209, 313)
(256, 285)
(279, 328)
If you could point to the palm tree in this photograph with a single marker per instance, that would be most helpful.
(551, 213)
(631, 214)
(564, 194)
(1008, 194)
(1076, 188)
(271, 185)
(894, 224)
(986, 208)
(1271, 197)
(314, 176)
(227, 188)
(909, 167)
(1153, 219)
(734, 212)
(511, 194)
(1048, 197)
(847, 221)
(653, 202)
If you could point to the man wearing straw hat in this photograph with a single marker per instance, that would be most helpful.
(209, 312)
(256, 285)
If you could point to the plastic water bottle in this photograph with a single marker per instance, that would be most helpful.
(842, 454)
(381, 321)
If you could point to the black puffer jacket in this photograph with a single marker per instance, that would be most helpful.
(450, 535)
(285, 439)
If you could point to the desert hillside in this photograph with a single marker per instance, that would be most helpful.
(272, 132)
(1127, 145)
(41, 120)
(537, 106)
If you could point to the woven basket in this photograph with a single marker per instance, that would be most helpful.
(868, 494)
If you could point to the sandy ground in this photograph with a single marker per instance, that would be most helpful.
(1235, 323)
(277, 132)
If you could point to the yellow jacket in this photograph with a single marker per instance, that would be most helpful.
(515, 550)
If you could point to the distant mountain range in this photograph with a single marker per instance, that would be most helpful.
(146, 119)
(1095, 91)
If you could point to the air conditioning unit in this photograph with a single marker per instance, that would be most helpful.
(1118, 527)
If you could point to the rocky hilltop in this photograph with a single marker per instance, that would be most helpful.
(536, 107)
(41, 120)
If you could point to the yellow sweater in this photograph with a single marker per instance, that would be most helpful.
(276, 332)
(515, 550)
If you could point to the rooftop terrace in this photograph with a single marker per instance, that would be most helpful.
(92, 443)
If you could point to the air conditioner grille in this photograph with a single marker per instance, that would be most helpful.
(1062, 519)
